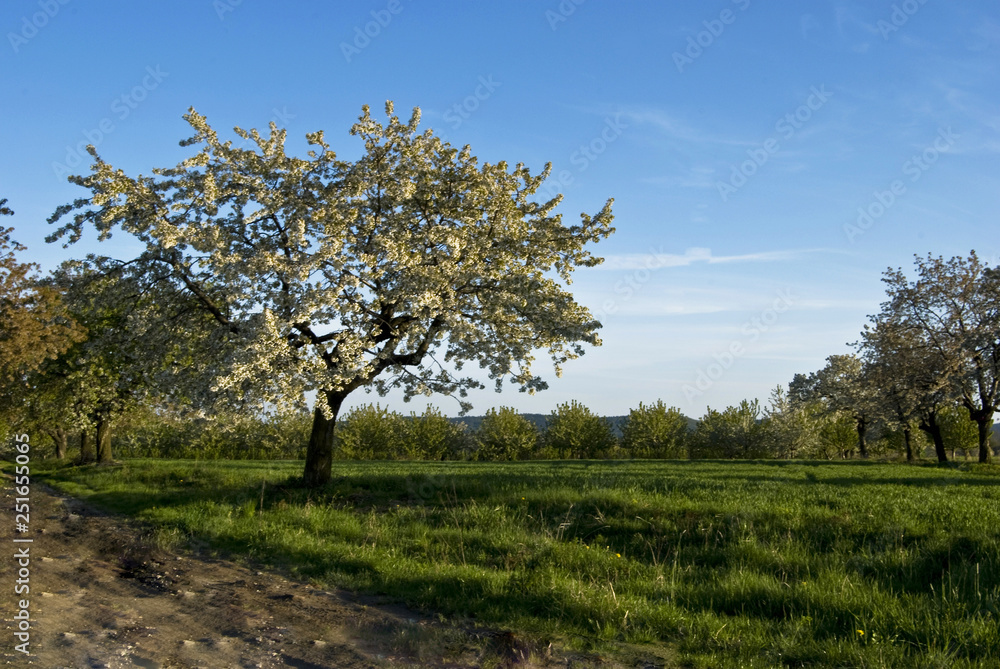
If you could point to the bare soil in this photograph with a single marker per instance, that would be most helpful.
(102, 595)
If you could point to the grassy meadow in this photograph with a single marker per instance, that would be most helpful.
(713, 564)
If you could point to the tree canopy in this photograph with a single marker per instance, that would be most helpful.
(34, 326)
(946, 327)
(326, 275)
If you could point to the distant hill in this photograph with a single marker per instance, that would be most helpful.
(541, 420)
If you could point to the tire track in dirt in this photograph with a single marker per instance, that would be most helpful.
(102, 596)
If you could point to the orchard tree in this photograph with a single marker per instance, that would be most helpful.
(573, 431)
(909, 379)
(655, 431)
(793, 429)
(737, 432)
(34, 325)
(843, 389)
(504, 434)
(126, 357)
(890, 370)
(431, 436)
(35, 329)
(958, 431)
(325, 275)
(371, 432)
(953, 309)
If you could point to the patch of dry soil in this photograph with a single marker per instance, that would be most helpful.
(103, 596)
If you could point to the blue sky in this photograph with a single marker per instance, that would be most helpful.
(768, 160)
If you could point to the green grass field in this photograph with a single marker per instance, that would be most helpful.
(719, 564)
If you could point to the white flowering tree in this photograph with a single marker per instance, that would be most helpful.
(328, 275)
(842, 388)
(951, 313)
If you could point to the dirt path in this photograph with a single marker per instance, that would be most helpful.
(103, 597)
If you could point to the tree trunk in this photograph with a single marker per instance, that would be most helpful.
(985, 427)
(103, 441)
(319, 453)
(87, 453)
(934, 430)
(907, 439)
(59, 437)
(862, 442)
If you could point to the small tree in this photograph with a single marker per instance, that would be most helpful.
(737, 432)
(573, 431)
(838, 435)
(370, 432)
(792, 428)
(504, 434)
(909, 443)
(431, 436)
(959, 433)
(655, 431)
(842, 387)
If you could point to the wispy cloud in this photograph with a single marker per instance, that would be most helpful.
(632, 261)
(677, 129)
(698, 177)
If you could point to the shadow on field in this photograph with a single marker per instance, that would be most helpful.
(584, 541)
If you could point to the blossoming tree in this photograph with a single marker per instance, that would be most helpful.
(325, 275)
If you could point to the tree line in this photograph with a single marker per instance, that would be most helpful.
(570, 431)
(933, 351)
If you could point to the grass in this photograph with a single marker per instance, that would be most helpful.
(721, 564)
